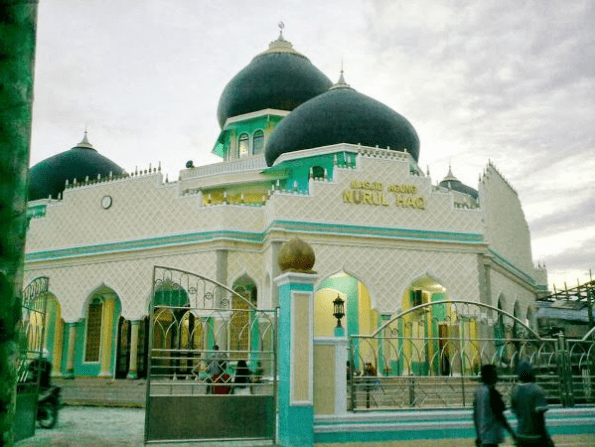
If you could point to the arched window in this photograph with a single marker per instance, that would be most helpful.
(258, 142)
(93, 339)
(317, 172)
(243, 145)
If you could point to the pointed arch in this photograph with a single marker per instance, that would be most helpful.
(347, 272)
(101, 316)
(361, 317)
(246, 286)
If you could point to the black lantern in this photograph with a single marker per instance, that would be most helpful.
(339, 309)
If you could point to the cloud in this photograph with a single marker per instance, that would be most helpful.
(580, 258)
(508, 81)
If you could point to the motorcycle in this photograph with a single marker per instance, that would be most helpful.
(48, 405)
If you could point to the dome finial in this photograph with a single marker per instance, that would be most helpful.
(281, 25)
(280, 45)
(450, 176)
(341, 82)
(85, 142)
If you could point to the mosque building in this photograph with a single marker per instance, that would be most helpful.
(301, 157)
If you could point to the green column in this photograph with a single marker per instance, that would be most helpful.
(17, 55)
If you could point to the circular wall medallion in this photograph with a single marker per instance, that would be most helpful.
(106, 202)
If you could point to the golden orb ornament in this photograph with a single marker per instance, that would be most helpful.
(296, 256)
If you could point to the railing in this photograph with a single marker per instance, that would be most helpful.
(212, 354)
(30, 364)
(242, 165)
(430, 357)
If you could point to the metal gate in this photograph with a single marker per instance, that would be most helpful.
(430, 357)
(212, 362)
(31, 339)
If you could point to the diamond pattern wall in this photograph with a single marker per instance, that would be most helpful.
(325, 204)
(506, 228)
(511, 293)
(144, 208)
(388, 271)
(130, 277)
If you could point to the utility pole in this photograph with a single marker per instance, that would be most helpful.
(18, 26)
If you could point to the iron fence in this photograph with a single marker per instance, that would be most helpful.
(31, 330)
(212, 362)
(430, 357)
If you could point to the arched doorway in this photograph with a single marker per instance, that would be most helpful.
(360, 317)
(244, 327)
(171, 305)
(102, 312)
(429, 334)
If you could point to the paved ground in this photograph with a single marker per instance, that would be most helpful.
(92, 426)
(104, 426)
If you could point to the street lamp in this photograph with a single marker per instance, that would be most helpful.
(339, 309)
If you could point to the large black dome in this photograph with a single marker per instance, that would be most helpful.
(49, 176)
(342, 115)
(279, 78)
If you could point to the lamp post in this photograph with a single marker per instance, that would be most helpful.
(339, 310)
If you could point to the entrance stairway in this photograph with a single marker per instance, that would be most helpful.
(102, 392)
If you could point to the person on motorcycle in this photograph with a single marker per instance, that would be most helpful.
(48, 401)
(43, 367)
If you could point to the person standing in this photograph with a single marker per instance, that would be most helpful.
(216, 364)
(529, 405)
(488, 411)
(221, 380)
(242, 379)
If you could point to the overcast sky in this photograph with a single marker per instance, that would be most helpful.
(507, 81)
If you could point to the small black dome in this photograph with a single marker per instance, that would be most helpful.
(451, 182)
(48, 177)
(279, 78)
(342, 115)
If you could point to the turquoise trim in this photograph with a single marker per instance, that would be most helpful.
(82, 368)
(264, 123)
(87, 250)
(257, 238)
(296, 427)
(419, 424)
(65, 337)
(502, 261)
(210, 332)
(86, 369)
(220, 147)
(347, 285)
(298, 171)
(37, 211)
(365, 231)
(296, 423)
(438, 314)
(436, 432)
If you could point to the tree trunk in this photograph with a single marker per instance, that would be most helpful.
(18, 22)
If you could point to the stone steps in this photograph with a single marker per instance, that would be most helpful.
(102, 392)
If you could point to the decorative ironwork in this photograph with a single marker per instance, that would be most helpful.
(31, 330)
(430, 356)
(32, 325)
(200, 331)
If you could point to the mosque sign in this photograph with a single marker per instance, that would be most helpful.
(375, 194)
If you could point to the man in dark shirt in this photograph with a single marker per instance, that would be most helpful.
(529, 405)
(488, 411)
